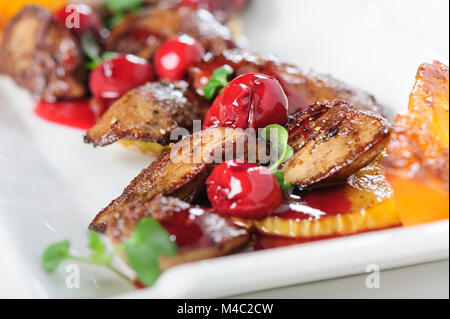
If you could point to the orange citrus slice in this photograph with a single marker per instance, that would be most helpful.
(370, 206)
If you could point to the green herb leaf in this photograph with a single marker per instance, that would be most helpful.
(149, 241)
(144, 261)
(90, 47)
(96, 245)
(289, 154)
(279, 175)
(95, 63)
(114, 20)
(108, 55)
(59, 252)
(218, 80)
(54, 255)
(121, 5)
(278, 137)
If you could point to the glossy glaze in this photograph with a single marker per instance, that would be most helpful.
(252, 101)
(315, 205)
(182, 226)
(115, 77)
(212, 117)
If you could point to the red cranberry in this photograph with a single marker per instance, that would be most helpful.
(254, 101)
(212, 117)
(243, 189)
(176, 56)
(89, 20)
(115, 77)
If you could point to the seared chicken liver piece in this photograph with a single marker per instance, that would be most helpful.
(332, 142)
(42, 56)
(143, 34)
(200, 234)
(149, 113)
(302, 87)
(181, 171)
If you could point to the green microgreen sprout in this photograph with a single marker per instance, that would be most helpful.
(92, 51)
(148, 242)
(218, 80)
(279, 138)
(120, 9)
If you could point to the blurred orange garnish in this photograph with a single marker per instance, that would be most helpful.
(418, 164)
(9, 8)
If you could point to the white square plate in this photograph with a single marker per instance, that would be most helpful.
(52, 185)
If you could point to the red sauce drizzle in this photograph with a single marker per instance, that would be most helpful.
(75, 114)
(308, 206)
(316, 205)
(183, 225)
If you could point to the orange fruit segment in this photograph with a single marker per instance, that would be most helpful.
(417, 165)
(9, 9)
(370, 207)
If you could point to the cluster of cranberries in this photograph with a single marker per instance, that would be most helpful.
(250, 101)
(116, 76)
(239, 188)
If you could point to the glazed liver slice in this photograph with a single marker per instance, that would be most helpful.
(143, 34)
(149, 113)
(42, 56)
(180, 172)
(199, 233)
(333, 141)
(302, 87)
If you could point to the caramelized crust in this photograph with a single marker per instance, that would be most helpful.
(303, 88)
(199, 233)
(142, 34)
(42, 56)
(332, 142)
(418, 163)
(181, 171)
(149, 113)
(419, 145)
